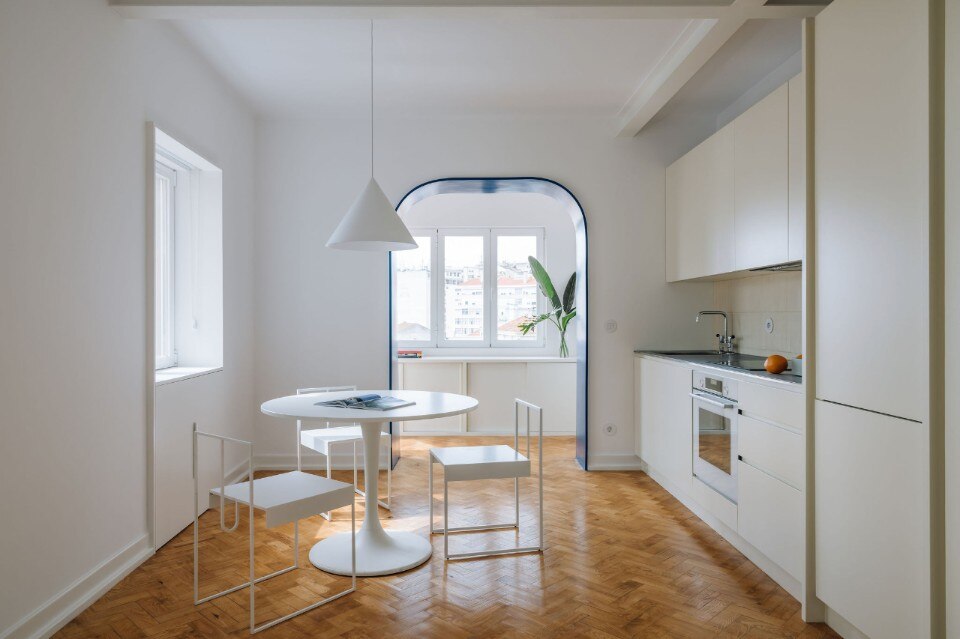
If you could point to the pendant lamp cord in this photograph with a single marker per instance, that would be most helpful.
(371, 99)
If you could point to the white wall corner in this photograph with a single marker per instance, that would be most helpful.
(60, 609)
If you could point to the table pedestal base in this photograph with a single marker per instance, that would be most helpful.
(380, 553)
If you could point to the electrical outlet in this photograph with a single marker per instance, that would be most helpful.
(609, 429)
(611, 326)
(768, 325)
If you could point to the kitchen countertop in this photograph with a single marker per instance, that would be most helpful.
(733, 362)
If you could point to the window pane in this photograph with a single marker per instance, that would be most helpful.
(413, 291)
(164, 268)
(463, 287)
(516, 288)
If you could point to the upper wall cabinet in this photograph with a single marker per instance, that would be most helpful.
(797, 167)
(738, 201)
(700, 210)
(760, 178)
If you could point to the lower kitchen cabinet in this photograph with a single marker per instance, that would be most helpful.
(769, 518)
(666, 420)
(766, 519)
(873, 520)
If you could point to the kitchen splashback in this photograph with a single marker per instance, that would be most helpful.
(751, 300)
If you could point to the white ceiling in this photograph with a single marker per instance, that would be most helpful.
(308, 67)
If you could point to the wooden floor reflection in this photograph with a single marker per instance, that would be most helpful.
(623, 559)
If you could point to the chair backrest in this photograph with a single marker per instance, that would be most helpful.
(530, 408)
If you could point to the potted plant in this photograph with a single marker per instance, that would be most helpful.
(563, 309)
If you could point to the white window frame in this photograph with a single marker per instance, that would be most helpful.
(442, 341)
(438, 338)
(165, 273)
(432, 341)
(540, 339)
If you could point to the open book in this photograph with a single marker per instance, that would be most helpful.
(367, 402)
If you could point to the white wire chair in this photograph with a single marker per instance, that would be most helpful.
(466, 463)
(284, 498)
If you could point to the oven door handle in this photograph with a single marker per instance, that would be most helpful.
(710, 400)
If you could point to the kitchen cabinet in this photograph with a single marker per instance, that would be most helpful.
(666, 420)
(873, 521)
(738, 200)
(769, 517)
(700, 222)
(761, 177)
(872, 189)
(878, 511)
(797, 168)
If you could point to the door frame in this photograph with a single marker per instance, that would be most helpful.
(543, 186)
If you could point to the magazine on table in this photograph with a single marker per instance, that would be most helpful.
(371, 401)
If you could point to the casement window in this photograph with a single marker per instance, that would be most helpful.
(187, 227)
(468, 287)
(165, 216)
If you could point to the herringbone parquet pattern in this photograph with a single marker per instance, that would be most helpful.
(623, 559)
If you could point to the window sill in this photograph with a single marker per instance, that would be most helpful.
(180, 373)
(490, 359)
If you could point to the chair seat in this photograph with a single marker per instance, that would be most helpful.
(319, 439)
(463, 463)
(288, 496)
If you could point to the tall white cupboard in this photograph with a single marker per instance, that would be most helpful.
(877, 285)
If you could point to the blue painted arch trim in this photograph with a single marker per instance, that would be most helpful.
(571, 204)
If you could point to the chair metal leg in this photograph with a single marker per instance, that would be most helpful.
(329, 454)
(446, 516)
(430, 487)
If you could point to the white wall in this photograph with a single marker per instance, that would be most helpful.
(749, 301)
(506, 210)
(317, 327)
(77, 85)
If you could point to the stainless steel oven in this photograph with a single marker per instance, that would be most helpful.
(715, 432)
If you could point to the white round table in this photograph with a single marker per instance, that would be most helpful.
(379, 552)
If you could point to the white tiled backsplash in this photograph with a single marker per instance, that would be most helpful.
(751, 300)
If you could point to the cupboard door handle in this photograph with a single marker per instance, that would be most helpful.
(710, 400)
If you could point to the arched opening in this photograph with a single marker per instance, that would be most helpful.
(567, 205)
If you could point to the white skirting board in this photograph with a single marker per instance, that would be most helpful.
(72, 600)
(614, 461)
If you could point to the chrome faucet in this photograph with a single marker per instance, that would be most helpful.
(726, 340)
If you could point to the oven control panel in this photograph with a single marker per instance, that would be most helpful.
(715, 385)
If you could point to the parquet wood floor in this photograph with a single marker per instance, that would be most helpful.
(623, 559)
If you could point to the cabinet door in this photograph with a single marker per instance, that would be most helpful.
(873, 520)
(769, 518)
(797, 141)
(666, 420)
(872, 191)
(760, 143)
(699, 221)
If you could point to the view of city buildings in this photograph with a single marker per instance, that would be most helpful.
(515, 297)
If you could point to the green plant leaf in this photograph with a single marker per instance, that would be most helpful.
(570, 294)
(566, 319)
(546, 285)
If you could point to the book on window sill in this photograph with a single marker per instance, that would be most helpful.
(367, 402)
(404, 354)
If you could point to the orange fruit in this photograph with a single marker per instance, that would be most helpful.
(775, 364)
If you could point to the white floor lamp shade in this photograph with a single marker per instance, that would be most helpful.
(372, 224)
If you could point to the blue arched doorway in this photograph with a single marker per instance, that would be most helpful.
(571, 205)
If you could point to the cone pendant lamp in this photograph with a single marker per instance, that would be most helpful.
(371, 223)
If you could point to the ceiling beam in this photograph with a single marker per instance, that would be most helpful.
(699, 42)
(432, 9)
